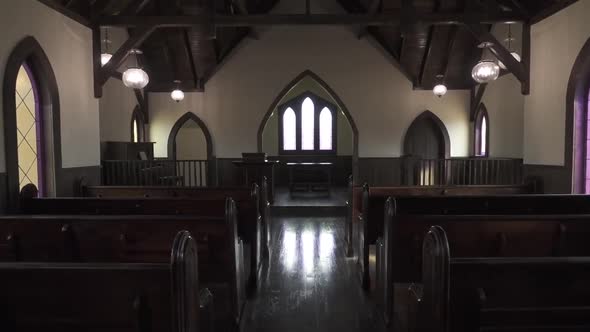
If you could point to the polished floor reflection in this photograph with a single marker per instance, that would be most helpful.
(309, 284)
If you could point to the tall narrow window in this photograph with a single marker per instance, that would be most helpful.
(135, 132)
(482, 132)
(289, 130)
(307, 125)
(325, 129)
(29, 130)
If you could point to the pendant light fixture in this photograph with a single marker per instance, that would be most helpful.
(177, 94)
(486, 70)
(135, 77)
(440, 89)
(515, 55)
(105, 56)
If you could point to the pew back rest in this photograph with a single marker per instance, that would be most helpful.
(103, 297)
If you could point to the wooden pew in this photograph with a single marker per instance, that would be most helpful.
(255, 195)
(368, 226)
(134, 238)
(501, 294)
(399, 252)
(249, 233)
(105, 297)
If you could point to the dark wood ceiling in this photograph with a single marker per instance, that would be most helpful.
(192, 54)
(425, 51)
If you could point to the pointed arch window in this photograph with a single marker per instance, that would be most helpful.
(482, 132)
(307, 126)
(326, 129)
(289, 130)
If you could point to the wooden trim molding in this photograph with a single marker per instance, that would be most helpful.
(429, 116)
(575, 118)
(29, 51)
(308, 73)
(176, 128)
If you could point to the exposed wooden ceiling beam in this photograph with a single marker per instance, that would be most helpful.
(521, 8)
(191, 58)
(374, 7)
(391, 18)
(449, 53)
(67, 12)
(426, 57)
(139, 35)
(135, 7)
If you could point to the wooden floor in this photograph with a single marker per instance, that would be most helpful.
(310, 285)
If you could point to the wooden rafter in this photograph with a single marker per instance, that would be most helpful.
(374, 7)
(191, 58)
(449, 53)
(426, 57)
(135, 7)
(391, 18)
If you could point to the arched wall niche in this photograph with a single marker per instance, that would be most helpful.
(576, 119)
(189, 116)
(28, 51)
(427, 119)
(308, 74)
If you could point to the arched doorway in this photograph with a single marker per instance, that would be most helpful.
(31, 121)
(191, 147)
(427, 144)
(427, 138)
(577, 150)
(304, 84)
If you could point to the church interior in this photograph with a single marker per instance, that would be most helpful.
(295, 165)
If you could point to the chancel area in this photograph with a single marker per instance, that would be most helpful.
(294, 165)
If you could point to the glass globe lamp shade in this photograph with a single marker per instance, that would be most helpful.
(485, 71)
(515, 55)
(135, 78)
(105, 58)
(439, 90)
(177, 95)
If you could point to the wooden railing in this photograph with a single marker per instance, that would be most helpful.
(462, 171)
(179, 173)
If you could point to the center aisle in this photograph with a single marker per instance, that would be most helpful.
(310, 285)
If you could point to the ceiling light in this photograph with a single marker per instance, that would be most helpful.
(177, 95)
(440, 89)
(135, 77)
(485, 71)
(105, 58)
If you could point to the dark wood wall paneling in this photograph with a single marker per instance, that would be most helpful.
(554, 179)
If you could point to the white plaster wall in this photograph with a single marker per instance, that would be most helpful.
(191, 143)
(118, 101)
(379, 98)
(505, 104)
(555, 44)
(68, 46)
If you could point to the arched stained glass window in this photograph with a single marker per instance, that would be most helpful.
(307, 125)
(484, 131)
(29, 127)
(289, 130)
(326, 129)
(135, 132)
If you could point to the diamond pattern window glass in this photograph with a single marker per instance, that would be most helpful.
(28, 126)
